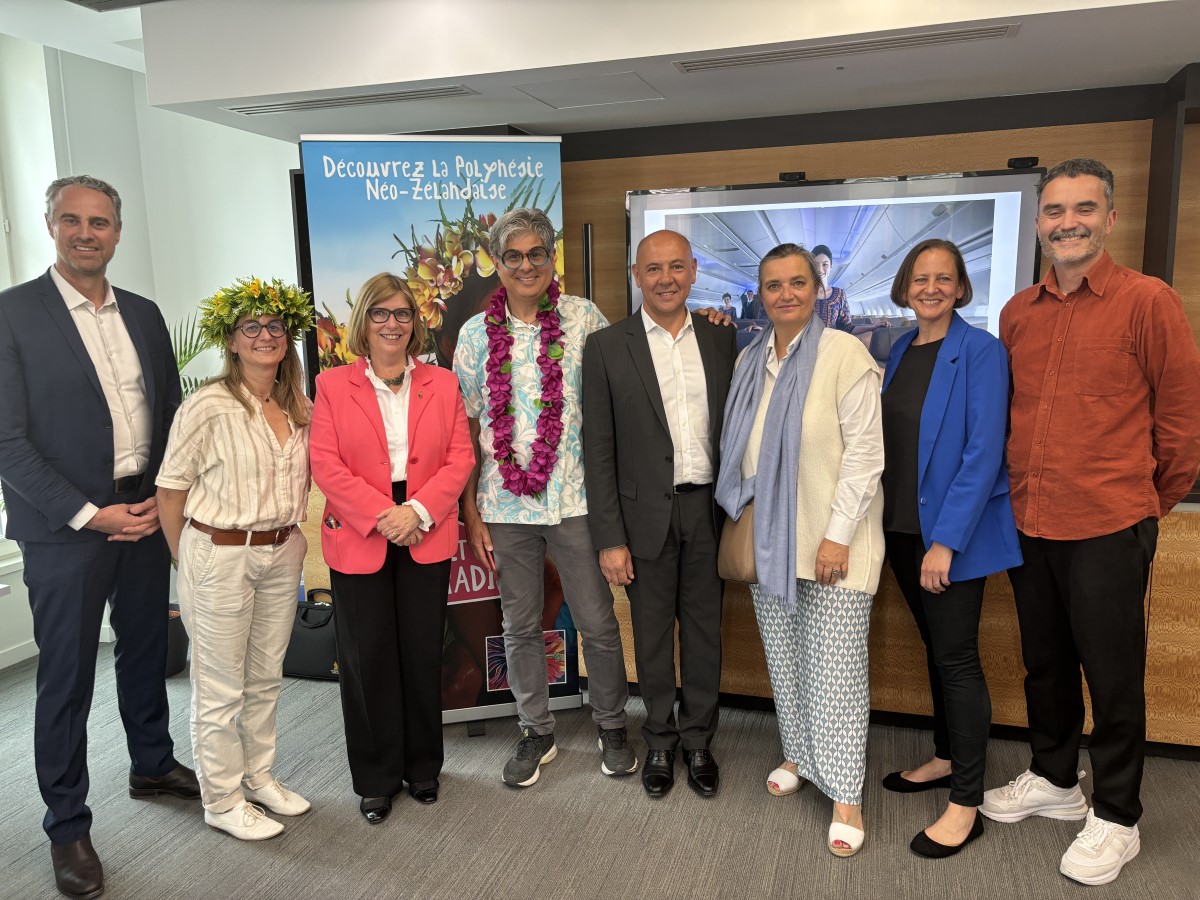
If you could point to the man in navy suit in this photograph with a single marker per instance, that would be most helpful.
(89, 390)
(654, 389)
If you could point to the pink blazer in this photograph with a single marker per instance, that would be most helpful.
(350, 464)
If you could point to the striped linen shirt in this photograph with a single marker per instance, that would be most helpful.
(236, 473)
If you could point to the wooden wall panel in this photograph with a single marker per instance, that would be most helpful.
(1187, 242)
(594, 190)
(1173, 658)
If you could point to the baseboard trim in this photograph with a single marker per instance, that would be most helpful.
(18, 654)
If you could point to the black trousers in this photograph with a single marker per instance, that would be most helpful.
(682, 584)
(390, 625)
(69, 586)
(1081, 603)
(949, 626)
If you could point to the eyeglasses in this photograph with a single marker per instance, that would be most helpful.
(379, 315)
(512, 259)
(252, 329)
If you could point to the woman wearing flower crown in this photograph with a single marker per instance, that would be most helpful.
(233, 485)
(391, 451)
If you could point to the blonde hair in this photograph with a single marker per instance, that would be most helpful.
(287, 391)
(377, 289)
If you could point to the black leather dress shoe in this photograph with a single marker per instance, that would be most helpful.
(77, 869)
(424, 791)
(703, 775)
(894, 781)
(658, 773)
(179, 782)
(375, 809)
(923, 845)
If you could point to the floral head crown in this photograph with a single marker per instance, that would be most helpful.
(254, 297)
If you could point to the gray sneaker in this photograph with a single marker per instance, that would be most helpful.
(532, 751)
(618, 755)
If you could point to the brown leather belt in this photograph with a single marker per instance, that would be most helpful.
(232, 537)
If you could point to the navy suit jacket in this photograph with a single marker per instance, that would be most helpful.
(56, 434)
(962, 482)
(629, 458)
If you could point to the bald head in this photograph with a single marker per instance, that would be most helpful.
(665, 272)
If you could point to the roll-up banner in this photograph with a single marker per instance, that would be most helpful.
(421, 208)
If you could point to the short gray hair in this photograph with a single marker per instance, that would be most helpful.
(1073, 168)
(783, 251)
(86, 181)
(513, 224)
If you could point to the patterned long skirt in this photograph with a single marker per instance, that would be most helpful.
(817, 660)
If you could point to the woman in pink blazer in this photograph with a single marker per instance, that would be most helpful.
(391, 451)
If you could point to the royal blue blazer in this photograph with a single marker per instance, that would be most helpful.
(962, 482)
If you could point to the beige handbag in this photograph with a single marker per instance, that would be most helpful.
(735, 556)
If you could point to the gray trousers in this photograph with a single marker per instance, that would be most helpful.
(520, 553)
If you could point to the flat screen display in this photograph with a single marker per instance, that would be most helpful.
(869, 225)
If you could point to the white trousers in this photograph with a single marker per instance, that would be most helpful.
(238, 605)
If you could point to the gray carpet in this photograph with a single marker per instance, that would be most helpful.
(574, 834)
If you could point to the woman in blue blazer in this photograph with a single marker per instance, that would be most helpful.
(947, 518)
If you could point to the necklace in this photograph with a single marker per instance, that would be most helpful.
(393, 382)
(543, 450)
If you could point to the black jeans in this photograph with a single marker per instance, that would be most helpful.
(949, 626)
(1082, 603)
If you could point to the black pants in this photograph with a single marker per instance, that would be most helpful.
(69, 586)
(949, 626)
(390, 625)
(1081, 603)
(680, 583)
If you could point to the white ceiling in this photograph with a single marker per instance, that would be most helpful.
(615, 64)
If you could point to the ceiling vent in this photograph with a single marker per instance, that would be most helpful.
(846, 48)
(444, 92)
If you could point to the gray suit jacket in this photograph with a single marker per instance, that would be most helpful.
(627, 449)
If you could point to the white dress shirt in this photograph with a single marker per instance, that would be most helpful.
(684, 391)
(394, 408)
(119, 370)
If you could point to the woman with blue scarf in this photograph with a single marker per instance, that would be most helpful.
(803, 439)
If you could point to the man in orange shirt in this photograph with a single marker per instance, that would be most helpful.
(1105, 440)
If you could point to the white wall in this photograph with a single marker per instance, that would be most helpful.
(26, 156)
(201, 204)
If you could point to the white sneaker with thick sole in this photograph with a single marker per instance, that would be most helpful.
(1031, 795)
(1102, 848)
(246, 822)
(276, 797)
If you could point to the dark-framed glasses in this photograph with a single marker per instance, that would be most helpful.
(537, 256)
(252, 329)
(379, 315)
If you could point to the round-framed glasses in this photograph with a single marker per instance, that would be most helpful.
(537, 256)
(252, 329)
(379, 315)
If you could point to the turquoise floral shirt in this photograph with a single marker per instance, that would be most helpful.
(564, 496)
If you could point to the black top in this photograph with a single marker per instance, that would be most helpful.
(902, 404)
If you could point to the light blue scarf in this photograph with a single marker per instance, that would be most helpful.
(773, 486)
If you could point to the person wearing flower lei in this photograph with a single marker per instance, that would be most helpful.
(233, 485)
(519, 365)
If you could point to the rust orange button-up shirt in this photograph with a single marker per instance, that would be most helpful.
(1105, 427)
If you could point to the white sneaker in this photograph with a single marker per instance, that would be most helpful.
(246, 822)
(276, 797)
(1031, 795)
(1102, 848)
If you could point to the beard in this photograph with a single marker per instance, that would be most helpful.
(1089, 250)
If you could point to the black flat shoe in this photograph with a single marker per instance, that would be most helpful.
(703, 774)
(424, 791)
(375, 809)
(901, 785)
(658, 772)
(924, 845)
(179, 782)
(77, 869)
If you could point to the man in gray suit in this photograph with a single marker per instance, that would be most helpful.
(654, 388)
